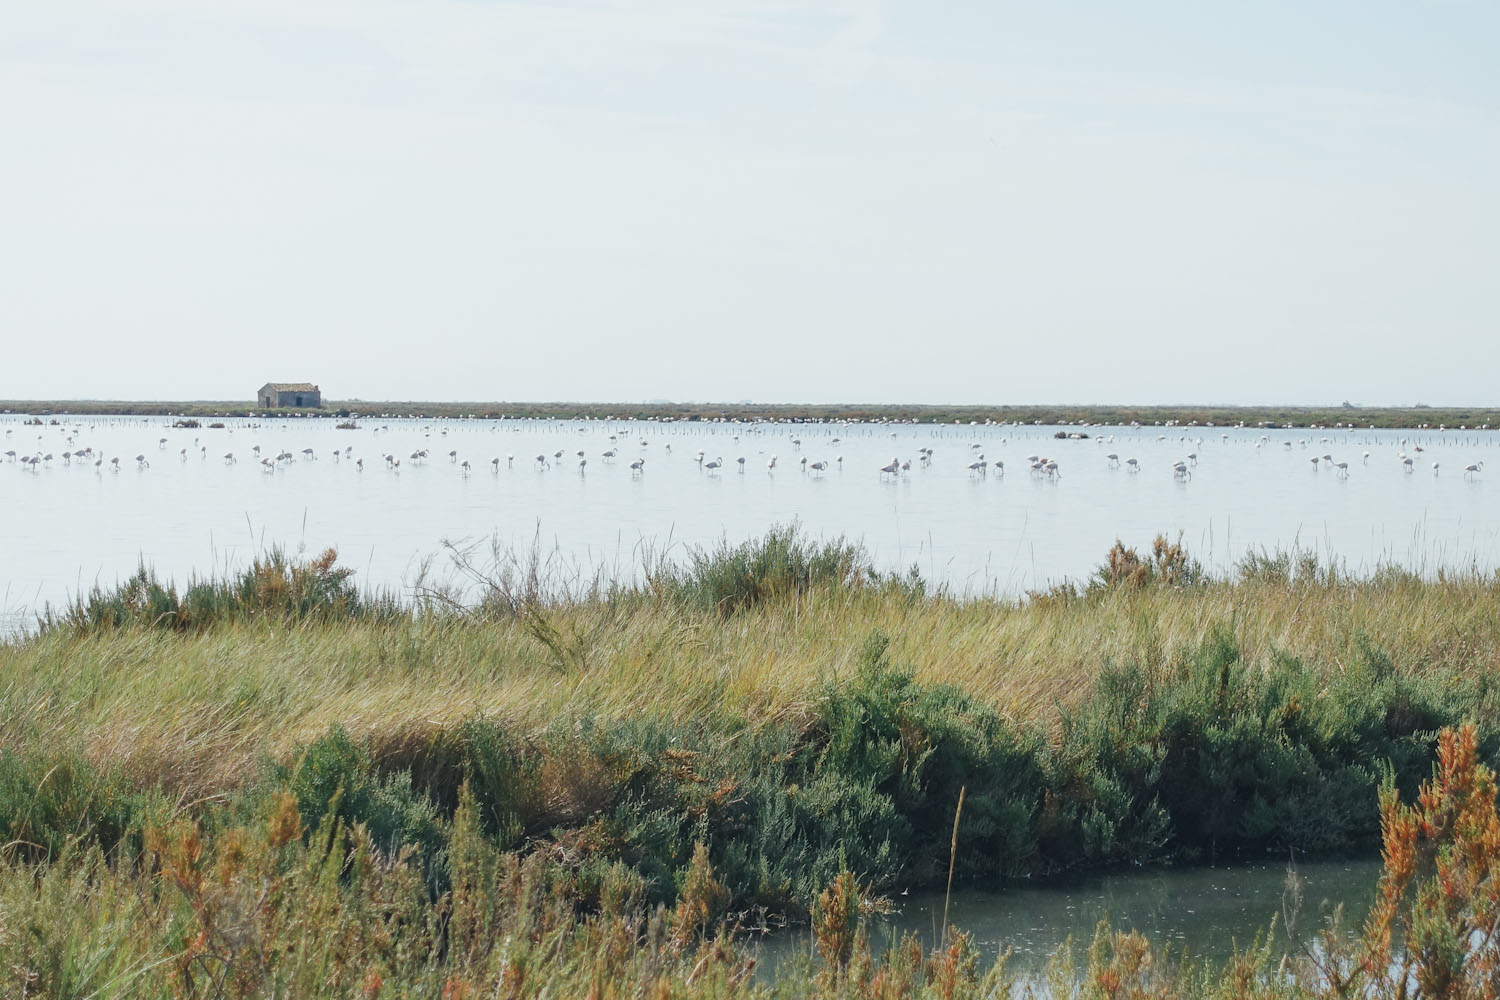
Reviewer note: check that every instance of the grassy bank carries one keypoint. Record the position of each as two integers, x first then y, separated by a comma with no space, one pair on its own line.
602,778
1185,414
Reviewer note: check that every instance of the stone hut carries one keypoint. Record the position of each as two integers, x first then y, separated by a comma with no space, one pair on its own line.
278,394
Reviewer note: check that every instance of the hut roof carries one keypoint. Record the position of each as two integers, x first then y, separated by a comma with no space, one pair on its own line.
290,387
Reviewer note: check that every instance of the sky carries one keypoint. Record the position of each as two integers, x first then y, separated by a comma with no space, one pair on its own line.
779,201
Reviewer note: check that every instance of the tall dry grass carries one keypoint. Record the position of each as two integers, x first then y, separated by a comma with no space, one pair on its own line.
204,706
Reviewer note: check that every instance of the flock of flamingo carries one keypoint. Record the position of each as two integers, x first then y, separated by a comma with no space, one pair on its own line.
973,459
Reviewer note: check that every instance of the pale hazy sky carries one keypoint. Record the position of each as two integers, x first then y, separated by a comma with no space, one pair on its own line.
833,200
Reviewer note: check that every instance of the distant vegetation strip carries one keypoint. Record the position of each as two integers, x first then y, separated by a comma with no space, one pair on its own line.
271,782
1185,414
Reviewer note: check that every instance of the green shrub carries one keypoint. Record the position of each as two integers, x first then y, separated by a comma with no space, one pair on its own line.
47,801
274,588
336,774
919,745
730,578
1207,755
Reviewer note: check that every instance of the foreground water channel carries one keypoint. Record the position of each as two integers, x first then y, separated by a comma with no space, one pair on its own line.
964,504
1203,914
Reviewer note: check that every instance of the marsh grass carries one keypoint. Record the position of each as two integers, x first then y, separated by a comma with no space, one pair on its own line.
634,763
782,566
275,589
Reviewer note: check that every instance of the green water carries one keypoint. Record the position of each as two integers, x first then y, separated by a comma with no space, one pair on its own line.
1203,912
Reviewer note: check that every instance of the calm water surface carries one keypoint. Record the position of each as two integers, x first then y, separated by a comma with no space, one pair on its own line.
68,525
1203,912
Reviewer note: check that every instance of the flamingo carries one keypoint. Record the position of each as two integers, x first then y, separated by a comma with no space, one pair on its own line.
771,464
978,466
818,467
1112,459
892,469
229,458
1471,470
715,465
638,466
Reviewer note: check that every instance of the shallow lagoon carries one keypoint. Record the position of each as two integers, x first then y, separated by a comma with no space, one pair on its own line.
185,509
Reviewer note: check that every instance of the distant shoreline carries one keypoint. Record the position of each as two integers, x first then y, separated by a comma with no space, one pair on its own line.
1414,417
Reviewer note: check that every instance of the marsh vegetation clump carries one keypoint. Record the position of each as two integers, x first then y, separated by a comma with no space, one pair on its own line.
275,588
1167,565
781,565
